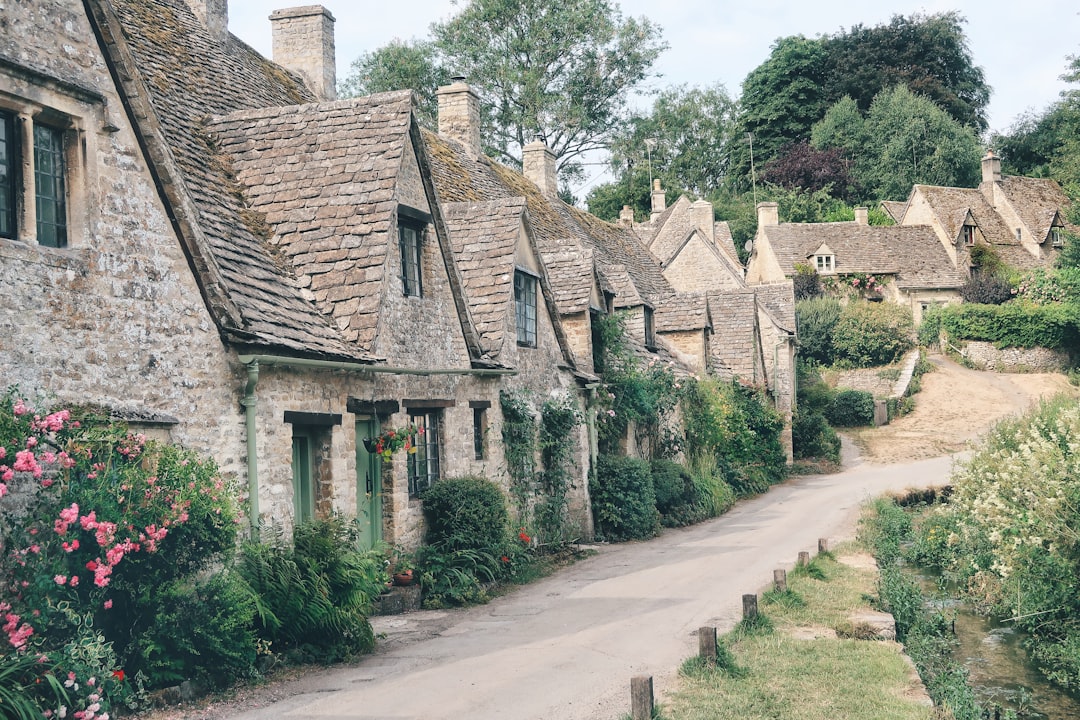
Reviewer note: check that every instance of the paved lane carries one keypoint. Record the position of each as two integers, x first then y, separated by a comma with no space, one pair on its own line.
565,648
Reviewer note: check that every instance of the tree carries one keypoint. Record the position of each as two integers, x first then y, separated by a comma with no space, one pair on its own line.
563,70
400,65
903,140
801,166
791,91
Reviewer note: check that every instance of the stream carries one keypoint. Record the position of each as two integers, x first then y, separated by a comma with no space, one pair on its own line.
999,670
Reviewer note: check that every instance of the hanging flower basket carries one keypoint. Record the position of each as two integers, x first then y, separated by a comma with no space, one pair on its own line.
393,440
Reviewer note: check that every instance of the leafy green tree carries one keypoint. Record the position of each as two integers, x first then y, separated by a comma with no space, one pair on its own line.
562,70
400,65
904,139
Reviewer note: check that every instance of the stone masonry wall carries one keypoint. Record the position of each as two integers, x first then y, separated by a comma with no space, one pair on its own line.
986,356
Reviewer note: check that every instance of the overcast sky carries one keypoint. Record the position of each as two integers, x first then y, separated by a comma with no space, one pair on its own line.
1022,46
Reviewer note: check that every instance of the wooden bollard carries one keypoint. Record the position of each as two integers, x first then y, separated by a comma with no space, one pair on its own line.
779,579
749,606
822,545
804,559
641,697
706,639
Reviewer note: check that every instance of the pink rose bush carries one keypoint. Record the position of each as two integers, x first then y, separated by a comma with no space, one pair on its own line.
93,521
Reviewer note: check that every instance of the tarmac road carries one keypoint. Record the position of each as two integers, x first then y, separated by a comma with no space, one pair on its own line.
565,648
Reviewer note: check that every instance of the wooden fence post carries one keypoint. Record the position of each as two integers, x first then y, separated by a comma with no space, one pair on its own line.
641,697
779,578
804,559
749,606
822,545
706,637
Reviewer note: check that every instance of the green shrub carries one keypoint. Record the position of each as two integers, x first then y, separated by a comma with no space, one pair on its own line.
816,319
814,394
313,595
677,497
623,500
870,334
851,408
466,513
1015,324
812,437
929,333
714,495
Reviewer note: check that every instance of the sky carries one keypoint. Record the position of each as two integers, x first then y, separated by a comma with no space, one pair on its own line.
1021,45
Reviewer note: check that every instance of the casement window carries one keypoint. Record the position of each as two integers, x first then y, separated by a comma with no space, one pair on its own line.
479,430
1057,237
525,307
824,263
650,329
967,235
34,208
410,240
424,464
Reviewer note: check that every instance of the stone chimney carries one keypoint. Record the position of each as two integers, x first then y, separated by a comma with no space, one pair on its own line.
702,213
991,168
214,14
304,43
538,165
862,215
659,202
626,216
459,114
768,213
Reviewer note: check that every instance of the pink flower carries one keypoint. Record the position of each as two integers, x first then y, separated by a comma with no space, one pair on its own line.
20,408
60,580
108,604
74,581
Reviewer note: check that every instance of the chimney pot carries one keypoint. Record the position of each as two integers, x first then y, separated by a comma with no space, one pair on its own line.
626,216
459,114
768,213
304,43
659,201
991,168
862,215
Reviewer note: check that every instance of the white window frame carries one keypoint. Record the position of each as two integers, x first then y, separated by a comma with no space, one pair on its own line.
825,263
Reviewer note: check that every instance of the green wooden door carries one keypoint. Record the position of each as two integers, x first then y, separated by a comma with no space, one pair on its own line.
368,485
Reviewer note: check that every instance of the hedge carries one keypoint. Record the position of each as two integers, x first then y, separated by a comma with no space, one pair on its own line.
1014,324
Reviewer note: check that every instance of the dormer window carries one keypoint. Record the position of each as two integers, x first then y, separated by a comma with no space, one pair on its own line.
824,263
1057,238
967,234
525,307
1019,235
411,226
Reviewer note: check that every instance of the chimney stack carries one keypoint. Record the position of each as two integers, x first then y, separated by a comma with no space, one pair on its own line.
304,43
991,168
862,215
704,219
538,165
626,216
459,114
659,201
214,14
768,213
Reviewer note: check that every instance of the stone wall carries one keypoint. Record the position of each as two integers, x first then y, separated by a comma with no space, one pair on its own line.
985,356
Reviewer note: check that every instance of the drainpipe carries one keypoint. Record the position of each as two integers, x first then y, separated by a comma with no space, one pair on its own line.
590,424
250,404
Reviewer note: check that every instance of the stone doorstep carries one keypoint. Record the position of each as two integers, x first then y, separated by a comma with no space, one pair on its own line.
397,600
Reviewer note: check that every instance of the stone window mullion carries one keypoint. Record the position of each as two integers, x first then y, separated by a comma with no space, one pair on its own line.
25,207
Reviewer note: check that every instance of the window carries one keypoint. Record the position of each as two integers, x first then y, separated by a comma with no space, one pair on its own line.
410,239
1019,235
525,307
303,485
650,329
479,428
967,234
823,263
424,463
9,163
1057,239
49,186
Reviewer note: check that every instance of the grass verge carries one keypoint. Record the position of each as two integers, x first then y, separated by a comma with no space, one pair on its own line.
801,669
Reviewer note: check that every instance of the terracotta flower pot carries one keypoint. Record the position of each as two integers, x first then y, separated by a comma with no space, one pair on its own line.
405,577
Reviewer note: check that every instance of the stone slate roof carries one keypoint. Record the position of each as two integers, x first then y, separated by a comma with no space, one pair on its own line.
174,75
733,351
323,176
1036,200
571,274
778,299
686,311
484,237
912,253
726,243
895,209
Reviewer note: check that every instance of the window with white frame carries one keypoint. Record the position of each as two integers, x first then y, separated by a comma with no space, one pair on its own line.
967,235
1057,237
824,263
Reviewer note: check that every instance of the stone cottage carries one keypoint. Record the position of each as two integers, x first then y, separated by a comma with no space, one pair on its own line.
905,265
222,253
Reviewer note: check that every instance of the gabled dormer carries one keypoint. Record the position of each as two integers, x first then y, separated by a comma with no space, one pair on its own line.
823,260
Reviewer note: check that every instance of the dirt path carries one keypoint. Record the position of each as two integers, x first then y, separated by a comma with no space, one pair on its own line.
955,406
